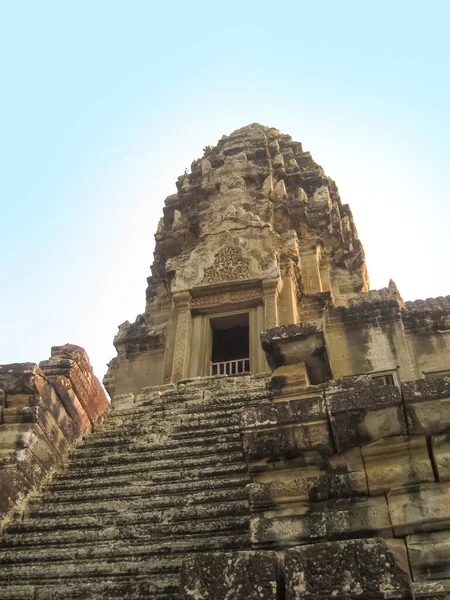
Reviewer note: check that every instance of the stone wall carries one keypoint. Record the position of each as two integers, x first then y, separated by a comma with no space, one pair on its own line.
367,569
367,333
328,478
44,411
427,331
354,458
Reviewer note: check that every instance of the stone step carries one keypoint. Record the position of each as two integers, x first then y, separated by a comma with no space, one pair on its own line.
17,592
78,564
122,437
182,432
122,587
103,557
213,418
101,540
127,472
155,483
194,405
156,451
128,487
201,512
148,458
159,410
38,508
208,388
140,490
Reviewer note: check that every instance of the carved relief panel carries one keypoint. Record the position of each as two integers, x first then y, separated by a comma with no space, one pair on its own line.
228,266
223,258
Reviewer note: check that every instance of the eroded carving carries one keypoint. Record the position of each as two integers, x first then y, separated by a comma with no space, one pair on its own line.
231,297
228,266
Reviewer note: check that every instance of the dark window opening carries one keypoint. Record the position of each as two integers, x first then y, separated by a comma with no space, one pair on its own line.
387,379
230,345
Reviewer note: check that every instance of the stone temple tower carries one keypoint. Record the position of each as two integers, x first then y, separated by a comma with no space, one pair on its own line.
255,237
276,430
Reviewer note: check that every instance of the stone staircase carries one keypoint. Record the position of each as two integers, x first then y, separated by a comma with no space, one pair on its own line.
162,479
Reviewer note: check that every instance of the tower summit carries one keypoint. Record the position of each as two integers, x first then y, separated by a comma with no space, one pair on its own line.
255,237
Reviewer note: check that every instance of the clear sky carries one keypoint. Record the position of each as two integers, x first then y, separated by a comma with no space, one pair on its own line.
103,105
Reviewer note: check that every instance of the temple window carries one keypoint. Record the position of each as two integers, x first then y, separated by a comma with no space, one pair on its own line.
384,379
230,345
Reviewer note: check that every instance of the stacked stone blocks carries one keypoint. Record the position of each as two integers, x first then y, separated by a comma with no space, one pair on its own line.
44,410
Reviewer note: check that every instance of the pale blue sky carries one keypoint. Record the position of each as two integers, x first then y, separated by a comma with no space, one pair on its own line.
104,104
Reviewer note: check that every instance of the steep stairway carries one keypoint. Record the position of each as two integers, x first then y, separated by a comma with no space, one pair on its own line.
162,478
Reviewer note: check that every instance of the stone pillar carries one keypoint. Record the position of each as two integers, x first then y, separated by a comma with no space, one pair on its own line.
271,288
181,352
309,260
288,312
258,362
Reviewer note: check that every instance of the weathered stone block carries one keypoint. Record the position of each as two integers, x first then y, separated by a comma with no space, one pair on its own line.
283,430
291,526
18,378
365,414
52,430
24,442
72,362
342,475
312,521
280,490
52,413
441,454
71,403
429,555
289,380
358,516
269,414
420,508
21,414
13,486
396,461
292,344
430,590
285,443
363,569
427,404
43,417
315,477
123,401
13,435
31,466
226,575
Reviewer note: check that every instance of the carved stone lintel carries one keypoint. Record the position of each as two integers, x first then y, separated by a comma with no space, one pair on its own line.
228,297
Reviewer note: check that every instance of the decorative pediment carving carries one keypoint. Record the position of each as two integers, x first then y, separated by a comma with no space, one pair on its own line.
228,266
225,257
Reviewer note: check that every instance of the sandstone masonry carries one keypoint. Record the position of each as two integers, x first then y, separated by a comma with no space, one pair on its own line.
278,430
